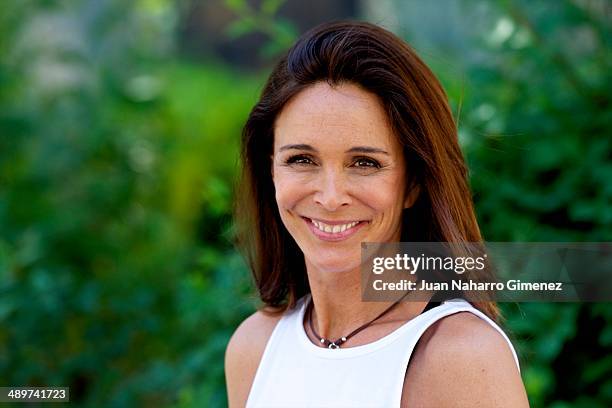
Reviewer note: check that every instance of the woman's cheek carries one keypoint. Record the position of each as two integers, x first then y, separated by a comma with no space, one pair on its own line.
290,189
374,192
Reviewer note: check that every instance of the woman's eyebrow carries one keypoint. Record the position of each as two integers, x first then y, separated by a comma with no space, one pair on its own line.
366,149
356,149
298,147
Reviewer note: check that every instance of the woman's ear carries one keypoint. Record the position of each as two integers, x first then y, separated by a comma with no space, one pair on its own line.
412,195
272,166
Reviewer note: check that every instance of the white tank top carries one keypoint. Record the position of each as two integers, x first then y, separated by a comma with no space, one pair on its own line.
294,372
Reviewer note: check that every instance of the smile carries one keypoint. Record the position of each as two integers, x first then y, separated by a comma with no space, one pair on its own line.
333,230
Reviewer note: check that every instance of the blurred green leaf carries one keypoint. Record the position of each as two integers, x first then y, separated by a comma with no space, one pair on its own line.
270,7
237,5
238,28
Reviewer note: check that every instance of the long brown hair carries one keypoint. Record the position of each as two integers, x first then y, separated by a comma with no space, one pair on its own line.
417,106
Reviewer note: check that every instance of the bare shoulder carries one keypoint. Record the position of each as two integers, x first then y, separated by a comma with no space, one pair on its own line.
243,354
467,362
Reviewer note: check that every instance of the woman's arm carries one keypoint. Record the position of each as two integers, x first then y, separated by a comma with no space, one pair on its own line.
462,361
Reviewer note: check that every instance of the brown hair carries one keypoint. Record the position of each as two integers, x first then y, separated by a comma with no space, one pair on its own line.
417,106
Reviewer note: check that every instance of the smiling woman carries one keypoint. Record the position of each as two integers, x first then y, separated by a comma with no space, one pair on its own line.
339,175
352,141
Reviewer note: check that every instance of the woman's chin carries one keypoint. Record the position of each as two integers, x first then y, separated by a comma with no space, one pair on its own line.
336,265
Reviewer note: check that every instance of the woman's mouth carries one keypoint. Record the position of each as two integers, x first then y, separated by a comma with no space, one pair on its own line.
333,230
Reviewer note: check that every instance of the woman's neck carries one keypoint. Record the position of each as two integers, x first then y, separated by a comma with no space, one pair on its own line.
338,306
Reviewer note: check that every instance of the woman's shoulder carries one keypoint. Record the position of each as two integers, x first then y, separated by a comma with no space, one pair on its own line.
244,352
254,330
468,361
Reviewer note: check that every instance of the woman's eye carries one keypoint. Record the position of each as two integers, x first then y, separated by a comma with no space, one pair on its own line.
300,159
365,162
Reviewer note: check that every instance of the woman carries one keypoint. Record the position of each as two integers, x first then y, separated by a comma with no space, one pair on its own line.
353,141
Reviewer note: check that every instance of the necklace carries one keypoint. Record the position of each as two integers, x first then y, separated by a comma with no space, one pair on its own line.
337,343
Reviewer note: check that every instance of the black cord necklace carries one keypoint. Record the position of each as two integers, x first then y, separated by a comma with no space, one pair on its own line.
337,343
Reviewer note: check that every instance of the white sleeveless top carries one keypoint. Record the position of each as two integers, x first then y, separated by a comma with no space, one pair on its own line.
294,372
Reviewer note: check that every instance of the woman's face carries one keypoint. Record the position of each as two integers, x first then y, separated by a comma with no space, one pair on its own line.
339,174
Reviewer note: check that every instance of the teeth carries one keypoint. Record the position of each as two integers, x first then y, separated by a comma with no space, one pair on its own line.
333,229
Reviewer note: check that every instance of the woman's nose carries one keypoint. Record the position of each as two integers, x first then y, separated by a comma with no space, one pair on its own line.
332,191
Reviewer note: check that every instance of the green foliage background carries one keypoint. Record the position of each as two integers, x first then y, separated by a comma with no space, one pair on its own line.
118,277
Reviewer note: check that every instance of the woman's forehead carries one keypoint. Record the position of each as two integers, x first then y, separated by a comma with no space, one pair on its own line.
344,114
